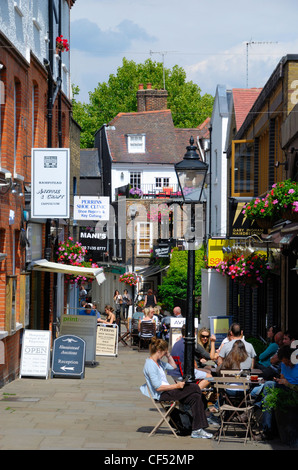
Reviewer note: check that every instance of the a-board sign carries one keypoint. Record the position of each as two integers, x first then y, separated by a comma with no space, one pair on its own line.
35,356
83,326
219,326
69,357
107,340
176,327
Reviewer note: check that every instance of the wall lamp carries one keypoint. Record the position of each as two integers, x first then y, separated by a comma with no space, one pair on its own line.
285,164
17,189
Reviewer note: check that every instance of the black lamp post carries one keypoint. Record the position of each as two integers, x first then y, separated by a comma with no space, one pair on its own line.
191,173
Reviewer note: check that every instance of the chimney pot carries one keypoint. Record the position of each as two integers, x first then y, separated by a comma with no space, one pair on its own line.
149,86
141,86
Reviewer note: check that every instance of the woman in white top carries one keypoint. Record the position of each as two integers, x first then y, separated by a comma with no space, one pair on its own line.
160,389
147,318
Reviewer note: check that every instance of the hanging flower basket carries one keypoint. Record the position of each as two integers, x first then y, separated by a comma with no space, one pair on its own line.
73,253
129,278
265,222
249,270
291,215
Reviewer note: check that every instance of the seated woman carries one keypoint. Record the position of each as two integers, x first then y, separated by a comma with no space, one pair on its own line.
205,349
111,318
147,318
160,389
237,359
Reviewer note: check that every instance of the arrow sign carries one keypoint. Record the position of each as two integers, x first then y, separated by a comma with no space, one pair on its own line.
69,354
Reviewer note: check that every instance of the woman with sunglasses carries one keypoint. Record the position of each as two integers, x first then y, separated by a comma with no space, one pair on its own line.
205,349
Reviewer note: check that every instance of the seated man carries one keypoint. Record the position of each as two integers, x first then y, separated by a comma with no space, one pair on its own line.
88,310
178,350
236,334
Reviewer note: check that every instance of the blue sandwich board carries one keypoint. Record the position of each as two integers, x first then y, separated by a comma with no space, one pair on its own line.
68,359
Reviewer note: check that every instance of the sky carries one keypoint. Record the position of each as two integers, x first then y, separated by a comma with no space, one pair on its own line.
233,43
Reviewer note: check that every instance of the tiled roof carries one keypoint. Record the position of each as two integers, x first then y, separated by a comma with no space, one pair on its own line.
244,99
164,142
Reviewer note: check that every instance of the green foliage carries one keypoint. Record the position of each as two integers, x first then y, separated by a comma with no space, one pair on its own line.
281,399
259,345
175,282
119,94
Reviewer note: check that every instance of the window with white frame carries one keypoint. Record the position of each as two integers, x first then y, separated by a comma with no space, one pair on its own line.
144,238
162,182
135,179
136,143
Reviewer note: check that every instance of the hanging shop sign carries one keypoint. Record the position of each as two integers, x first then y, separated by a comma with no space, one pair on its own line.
96,243
239,225
91,208
163,250
35,357
50,183
69,357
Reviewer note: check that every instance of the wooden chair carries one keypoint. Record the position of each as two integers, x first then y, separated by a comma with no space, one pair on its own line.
134,332
147,331
164,409
230,408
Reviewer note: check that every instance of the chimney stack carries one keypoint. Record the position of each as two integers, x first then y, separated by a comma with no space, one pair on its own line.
151,100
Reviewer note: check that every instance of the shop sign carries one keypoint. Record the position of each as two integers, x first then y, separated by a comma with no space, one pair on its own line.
69,357
91,208
35,357
50,183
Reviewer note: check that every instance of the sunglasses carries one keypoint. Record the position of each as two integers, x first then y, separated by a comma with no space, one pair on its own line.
205,336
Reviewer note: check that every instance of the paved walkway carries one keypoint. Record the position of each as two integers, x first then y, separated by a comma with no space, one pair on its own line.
103,411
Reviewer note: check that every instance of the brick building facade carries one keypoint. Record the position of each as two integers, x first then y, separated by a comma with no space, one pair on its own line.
24,124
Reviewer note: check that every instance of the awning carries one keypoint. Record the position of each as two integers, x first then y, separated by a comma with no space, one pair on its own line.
50,267
150,271
284,235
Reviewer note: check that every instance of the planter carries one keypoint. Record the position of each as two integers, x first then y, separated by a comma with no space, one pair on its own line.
265,222
287,425
290,215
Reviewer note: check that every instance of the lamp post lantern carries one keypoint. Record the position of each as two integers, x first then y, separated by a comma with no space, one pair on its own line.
191,174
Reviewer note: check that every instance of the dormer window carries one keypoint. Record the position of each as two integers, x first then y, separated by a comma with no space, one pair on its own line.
136,143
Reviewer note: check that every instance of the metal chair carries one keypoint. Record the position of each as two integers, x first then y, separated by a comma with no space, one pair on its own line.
165,409
231,408
147,331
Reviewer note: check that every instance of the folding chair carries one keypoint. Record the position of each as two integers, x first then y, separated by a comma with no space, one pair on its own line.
178,364
125,336
165,409
147,331
231,408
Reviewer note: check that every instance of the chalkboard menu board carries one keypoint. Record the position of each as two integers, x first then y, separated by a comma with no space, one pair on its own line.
35,357
69,357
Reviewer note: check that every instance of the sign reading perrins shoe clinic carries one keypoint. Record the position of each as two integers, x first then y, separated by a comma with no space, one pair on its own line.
50,183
